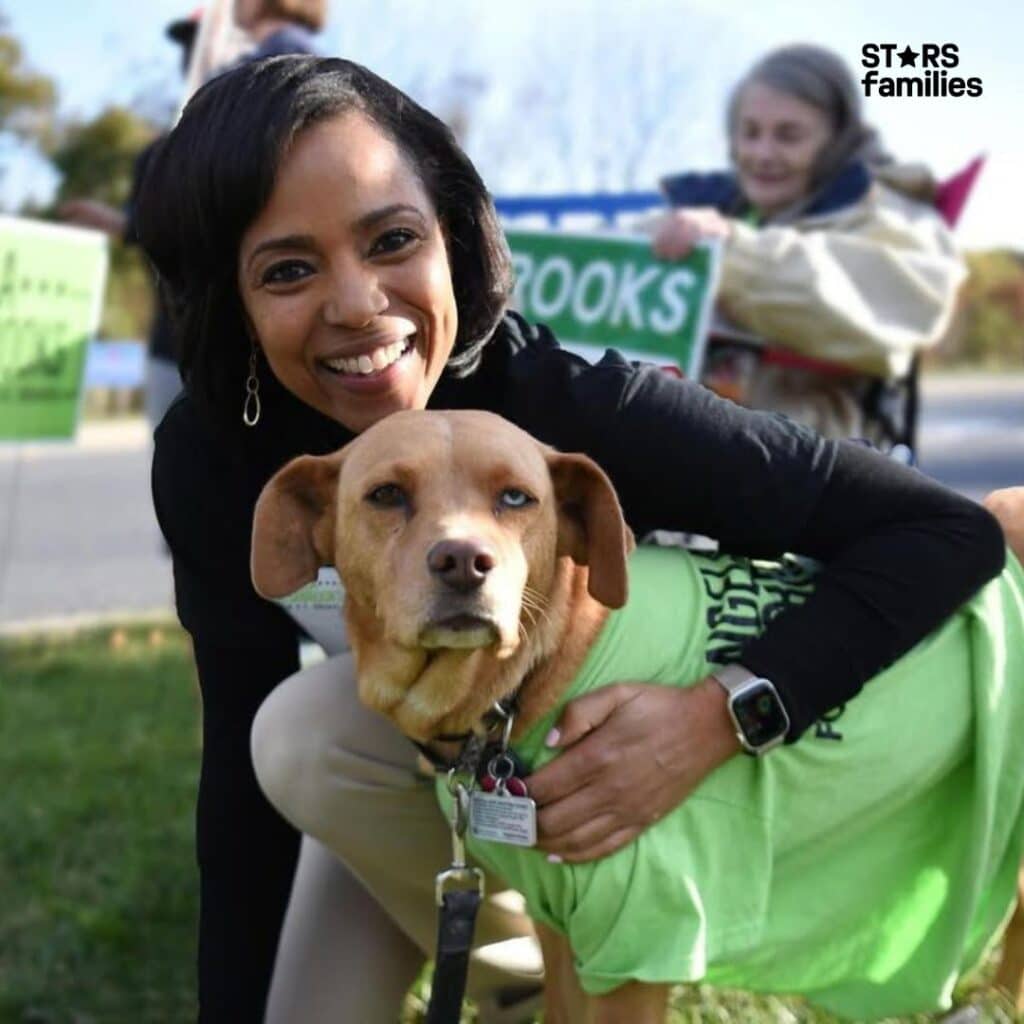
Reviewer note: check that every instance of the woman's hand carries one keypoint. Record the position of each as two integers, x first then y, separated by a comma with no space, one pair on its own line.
1007,505
634,752
680,230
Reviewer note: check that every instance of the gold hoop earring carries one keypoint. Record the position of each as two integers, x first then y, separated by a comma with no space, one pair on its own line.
252,408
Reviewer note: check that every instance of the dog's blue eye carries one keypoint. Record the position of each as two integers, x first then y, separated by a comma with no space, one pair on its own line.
388,496
512,497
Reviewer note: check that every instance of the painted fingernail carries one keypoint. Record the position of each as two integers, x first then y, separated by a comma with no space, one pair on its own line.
552,738
553,858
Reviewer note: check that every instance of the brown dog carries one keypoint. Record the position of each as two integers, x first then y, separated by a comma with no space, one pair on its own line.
473,559
444,605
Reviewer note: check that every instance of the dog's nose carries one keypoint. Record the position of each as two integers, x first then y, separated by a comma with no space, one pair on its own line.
461,564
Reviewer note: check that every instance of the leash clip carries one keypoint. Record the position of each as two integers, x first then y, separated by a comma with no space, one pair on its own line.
458,879
458,876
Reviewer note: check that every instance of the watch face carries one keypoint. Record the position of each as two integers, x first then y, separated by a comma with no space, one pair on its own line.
759,713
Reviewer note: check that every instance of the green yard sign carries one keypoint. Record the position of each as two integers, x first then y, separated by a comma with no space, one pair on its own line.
51,294
598,291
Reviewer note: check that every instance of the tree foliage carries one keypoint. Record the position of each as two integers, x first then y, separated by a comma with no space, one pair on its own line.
27,98
991,322
95,158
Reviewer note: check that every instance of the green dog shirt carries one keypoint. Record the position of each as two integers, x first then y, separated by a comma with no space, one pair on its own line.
866,866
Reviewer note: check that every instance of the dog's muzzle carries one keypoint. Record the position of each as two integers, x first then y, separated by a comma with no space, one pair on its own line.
461,630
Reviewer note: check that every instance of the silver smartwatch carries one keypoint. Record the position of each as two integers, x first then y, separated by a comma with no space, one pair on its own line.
755,708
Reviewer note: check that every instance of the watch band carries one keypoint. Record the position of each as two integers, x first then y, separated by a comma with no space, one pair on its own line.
732,677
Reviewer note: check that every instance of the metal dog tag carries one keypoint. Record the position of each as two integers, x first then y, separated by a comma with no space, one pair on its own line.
501,818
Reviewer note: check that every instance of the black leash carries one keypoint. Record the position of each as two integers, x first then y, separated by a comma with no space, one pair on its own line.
459,890
456,920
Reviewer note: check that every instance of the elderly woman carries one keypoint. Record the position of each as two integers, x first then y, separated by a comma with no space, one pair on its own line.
832,253
332,256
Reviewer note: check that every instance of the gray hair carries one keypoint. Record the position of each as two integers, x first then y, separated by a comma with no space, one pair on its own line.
820,78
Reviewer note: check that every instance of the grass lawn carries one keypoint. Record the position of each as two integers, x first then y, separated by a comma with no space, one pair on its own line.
99,755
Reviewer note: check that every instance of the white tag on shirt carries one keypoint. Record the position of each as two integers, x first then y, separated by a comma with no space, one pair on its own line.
503,819
317,608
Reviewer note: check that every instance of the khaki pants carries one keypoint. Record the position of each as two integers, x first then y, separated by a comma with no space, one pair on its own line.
362,915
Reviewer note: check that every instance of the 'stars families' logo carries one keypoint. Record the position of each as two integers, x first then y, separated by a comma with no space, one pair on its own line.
930,66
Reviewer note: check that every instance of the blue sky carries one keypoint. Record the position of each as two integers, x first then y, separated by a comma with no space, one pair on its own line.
585,94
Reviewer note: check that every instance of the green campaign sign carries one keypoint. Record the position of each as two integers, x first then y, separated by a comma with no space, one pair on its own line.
598,291
51,294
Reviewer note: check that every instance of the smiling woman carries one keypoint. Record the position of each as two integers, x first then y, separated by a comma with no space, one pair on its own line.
352,302
777,143
327,247
409,229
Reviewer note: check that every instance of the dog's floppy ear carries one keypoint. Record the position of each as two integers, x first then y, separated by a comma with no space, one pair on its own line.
591,528
293,526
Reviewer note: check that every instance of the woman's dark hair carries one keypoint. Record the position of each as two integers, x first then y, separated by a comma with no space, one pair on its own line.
213,174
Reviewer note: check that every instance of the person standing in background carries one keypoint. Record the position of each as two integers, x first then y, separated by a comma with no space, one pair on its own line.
831,251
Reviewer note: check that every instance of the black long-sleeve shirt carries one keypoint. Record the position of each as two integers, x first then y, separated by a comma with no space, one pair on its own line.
899,554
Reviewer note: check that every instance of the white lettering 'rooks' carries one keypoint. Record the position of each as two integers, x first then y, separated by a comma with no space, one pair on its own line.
652,298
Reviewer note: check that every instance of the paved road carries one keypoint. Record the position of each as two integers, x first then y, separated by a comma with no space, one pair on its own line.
77,535
972,431
77,532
